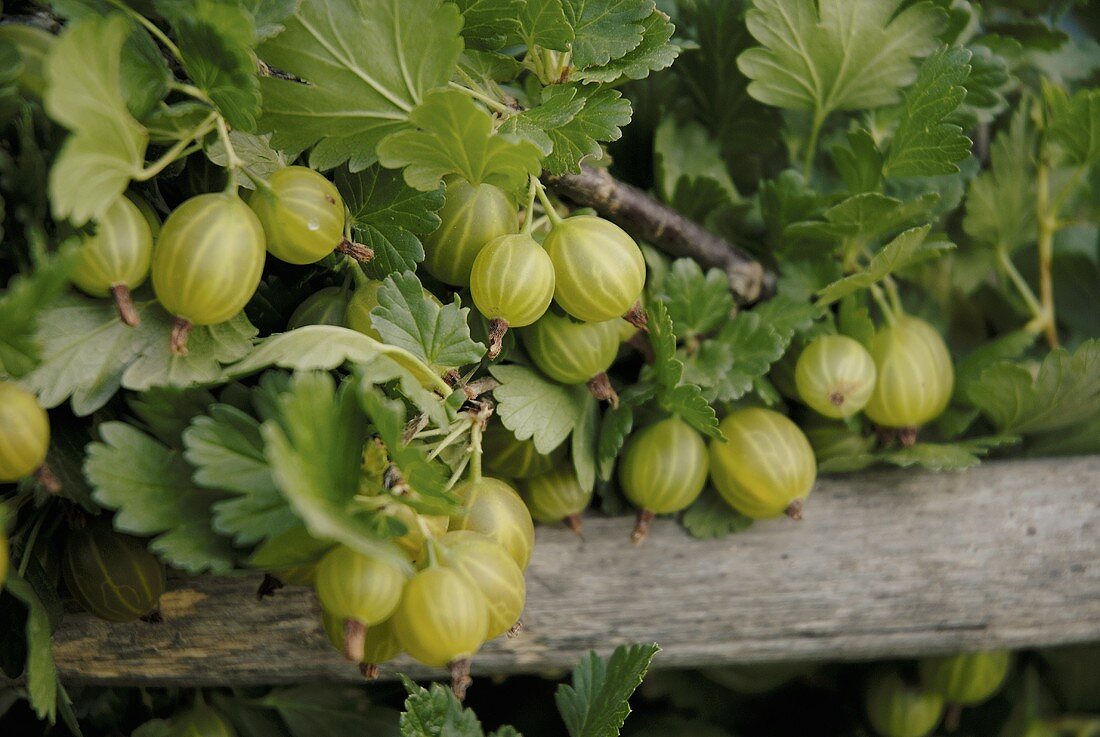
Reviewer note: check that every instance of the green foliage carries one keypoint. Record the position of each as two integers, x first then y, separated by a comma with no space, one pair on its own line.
598,702
532,406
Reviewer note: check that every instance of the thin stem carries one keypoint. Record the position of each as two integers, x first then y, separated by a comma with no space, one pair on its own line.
458,472
151,27
233,162
551,213
887,310
892,291
475,450
1018,281
452,436
1048,225
258,180
1067,190
191,91
177,150
496,105
28,548
811,144
529,218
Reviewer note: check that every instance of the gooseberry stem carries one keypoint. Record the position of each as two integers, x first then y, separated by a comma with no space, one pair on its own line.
529,218
28,546
475,450
892,292
178,149
1021,285
887,310
1047,218
811,144
551,213
150,27
496,105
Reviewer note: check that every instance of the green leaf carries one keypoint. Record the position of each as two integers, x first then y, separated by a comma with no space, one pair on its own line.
106,148
697,303
315,448
20,308
253,151
945,457
836,54
438,335
860,221
150,486
570,122
1000,206
691,174
226,449
436,712
365,65
543,23
455,136
709,517
88,353
673,394
41,673
654,53
216,40
487,24
617,424
167,411
924,144
1065,391
325,710
268,15
598,702
605,29
984,88
1074,125
532,406
145,74
583,449
859,163
907,249
743,350
387,215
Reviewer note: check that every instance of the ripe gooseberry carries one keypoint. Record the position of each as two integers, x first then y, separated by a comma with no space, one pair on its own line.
327,306
835,376
512,281
507,456
967,678
896,709
361,590
663,470
471,216
573,352
381,643
442,620
600,269
112,575
207,262
302,214
556,496
766,467
915,376
116,259
488,566
493,508
24,432
200,721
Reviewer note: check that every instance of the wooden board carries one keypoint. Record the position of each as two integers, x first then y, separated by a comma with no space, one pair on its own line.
884,564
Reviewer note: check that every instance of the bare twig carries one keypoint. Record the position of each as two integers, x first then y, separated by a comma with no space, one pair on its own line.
655,222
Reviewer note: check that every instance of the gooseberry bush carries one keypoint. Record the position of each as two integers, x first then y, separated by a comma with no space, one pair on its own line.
348,291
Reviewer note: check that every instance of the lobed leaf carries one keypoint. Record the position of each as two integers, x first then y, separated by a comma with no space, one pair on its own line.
598,701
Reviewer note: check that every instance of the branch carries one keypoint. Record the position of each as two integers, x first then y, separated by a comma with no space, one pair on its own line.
657,223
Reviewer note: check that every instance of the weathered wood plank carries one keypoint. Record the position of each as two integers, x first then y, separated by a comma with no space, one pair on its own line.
885,564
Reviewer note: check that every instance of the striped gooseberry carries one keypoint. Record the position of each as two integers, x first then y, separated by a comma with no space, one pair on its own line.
379,646
574,352
915,376
765,467
493,508
418,528
207,262
362,590
327,306
302,214
488,566
966,678
663,470
442,620
116,259
511,458
512,282
898,709
24,432
471,216
600,269
112,575
835,376
200,721
556,496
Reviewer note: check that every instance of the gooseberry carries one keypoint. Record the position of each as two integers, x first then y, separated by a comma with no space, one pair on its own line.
116,259
379,646
302,214
915,375
556,496
896,709
492,570
362,590
663,470
765,467
493,508
512,281
327,306
201,721
207,262
24,432
600,269
471,216
967,678
112,575
835,376
442,618
512,458
573,352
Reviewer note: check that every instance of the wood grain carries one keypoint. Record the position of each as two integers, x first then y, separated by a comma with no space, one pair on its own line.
887,564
